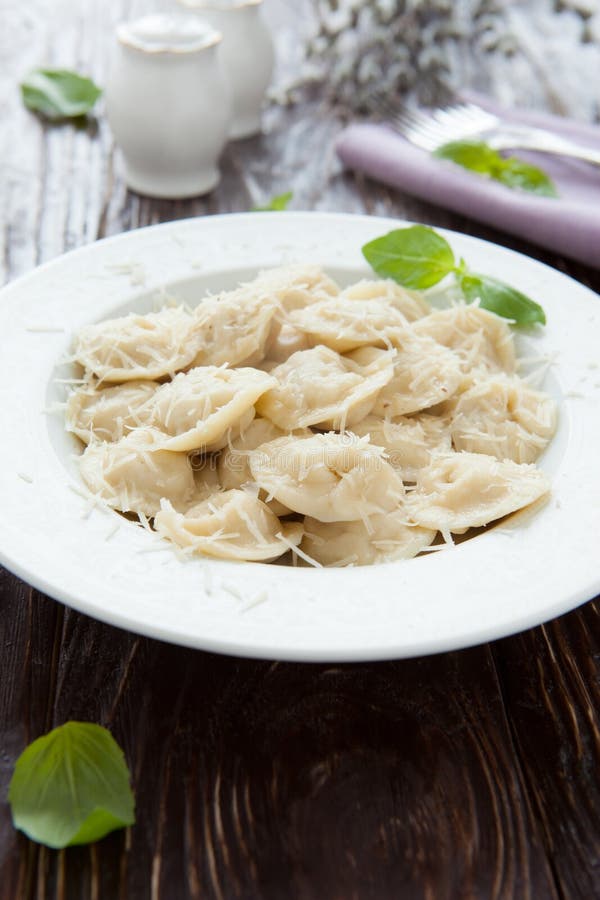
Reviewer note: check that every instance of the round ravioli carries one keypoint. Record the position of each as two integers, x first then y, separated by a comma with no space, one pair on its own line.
425,373
107,414
344,324
410,304
231,525
380,538
284,340
481,339
135,473
458,491
233,328
233,468
295,286
409,442
203,408
503,417
320,387
292,287
330,477
137,347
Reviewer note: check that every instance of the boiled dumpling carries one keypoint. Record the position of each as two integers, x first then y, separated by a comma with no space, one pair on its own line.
135,473
505,418
295,286
320,387
233,328
202,408
425,373
458,491
233,468
231,525
236,327
409,442
330,477
481,339
107,414
283,341
410,304
343,324
137,347
381,538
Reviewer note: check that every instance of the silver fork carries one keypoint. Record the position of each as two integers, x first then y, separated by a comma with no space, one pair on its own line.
434,127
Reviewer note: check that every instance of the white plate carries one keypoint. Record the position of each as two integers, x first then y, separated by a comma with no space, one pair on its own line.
507,579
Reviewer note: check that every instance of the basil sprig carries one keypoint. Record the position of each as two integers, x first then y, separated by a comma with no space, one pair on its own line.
71,786
477,156
418,257
59,93
415,257
275,204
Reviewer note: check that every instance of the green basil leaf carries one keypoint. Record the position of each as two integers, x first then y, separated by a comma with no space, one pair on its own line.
275,204
416,257
516,173
71,786
477,156
500,298
58,93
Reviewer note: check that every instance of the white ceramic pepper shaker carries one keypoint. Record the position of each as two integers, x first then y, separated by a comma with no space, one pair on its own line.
169,105
246,53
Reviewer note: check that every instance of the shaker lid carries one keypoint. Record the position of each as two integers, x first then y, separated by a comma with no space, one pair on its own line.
221,5
162,33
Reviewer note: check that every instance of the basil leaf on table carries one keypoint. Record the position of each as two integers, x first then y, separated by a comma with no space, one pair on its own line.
477,156
416,257
275,204
71,786
500,298
59,93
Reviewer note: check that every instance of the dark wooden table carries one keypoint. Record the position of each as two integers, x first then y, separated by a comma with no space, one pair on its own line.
466,775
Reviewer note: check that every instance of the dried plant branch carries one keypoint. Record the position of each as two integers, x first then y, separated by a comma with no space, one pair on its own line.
391,46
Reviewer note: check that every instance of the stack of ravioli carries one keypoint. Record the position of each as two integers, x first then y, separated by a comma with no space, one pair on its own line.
293,419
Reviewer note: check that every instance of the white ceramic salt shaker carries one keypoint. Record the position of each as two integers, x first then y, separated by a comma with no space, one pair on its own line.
246,53
169,104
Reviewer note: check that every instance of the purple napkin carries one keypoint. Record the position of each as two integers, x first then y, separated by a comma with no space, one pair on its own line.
569,224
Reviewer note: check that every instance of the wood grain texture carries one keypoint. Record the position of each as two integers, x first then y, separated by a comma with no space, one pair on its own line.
466,775
271,780
551,685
